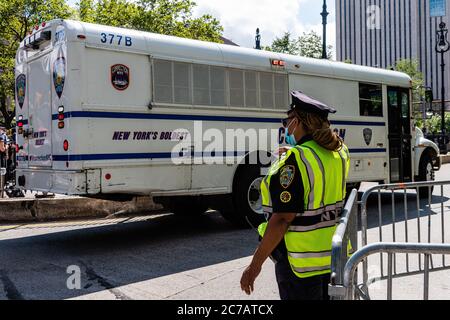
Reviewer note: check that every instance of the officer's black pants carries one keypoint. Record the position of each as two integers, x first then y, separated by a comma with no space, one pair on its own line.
292,287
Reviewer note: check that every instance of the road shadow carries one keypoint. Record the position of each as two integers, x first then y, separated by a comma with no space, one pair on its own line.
35,267
389,214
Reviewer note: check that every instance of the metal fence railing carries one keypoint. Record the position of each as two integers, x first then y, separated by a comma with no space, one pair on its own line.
350,270
345,242
396,216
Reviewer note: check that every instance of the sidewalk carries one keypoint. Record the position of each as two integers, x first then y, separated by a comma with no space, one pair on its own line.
61,207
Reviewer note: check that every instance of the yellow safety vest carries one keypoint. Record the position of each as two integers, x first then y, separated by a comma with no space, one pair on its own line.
309,237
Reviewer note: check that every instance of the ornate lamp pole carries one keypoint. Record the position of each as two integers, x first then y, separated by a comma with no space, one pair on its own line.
324,15
442,46
258,40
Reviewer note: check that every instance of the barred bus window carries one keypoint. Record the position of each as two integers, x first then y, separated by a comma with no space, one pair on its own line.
281,91
202,92
267,90
251,90
218,86
370,100
163,81
236,84
182,83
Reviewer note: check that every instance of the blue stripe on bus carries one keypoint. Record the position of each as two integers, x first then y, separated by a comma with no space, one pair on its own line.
122,115
167,155
124,156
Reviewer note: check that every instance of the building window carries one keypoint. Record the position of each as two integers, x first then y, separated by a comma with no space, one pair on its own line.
370,100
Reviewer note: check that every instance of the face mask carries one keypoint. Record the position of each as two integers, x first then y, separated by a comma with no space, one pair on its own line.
290,138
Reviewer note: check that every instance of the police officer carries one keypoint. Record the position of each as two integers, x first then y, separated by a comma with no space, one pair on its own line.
303,194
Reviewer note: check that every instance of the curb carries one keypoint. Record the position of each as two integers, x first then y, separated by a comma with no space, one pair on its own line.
445,159
38,210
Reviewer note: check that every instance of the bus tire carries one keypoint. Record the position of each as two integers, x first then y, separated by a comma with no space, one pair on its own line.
185,206
426,173
243,207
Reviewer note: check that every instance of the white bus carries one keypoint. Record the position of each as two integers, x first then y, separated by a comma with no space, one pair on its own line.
110,112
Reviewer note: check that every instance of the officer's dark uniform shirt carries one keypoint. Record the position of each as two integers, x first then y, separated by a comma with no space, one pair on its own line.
294,187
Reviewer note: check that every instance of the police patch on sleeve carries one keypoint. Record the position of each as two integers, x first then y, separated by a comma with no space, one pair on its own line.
285,197
287,175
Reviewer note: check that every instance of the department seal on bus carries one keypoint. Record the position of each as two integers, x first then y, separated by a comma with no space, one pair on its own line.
120,77
21,87
59,75
368,135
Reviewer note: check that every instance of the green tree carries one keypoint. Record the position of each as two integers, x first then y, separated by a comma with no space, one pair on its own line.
307,45
17,17
311,45
433,124
285,44
170,17
411,68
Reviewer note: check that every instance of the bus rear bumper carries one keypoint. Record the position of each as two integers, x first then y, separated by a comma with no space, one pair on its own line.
61,182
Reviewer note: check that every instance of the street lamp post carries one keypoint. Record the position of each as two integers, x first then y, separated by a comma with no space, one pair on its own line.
257,40
442,46
324,15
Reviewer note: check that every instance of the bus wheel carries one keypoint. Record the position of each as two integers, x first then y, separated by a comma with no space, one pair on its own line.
184,206
244,207
426,173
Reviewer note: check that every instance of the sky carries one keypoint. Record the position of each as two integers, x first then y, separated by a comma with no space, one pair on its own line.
240,18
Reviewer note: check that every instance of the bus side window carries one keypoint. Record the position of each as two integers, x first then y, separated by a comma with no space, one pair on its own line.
370,100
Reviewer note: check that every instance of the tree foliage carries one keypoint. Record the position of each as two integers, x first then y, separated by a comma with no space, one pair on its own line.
411,68
433,125
307,45
17,17
170,17
285,44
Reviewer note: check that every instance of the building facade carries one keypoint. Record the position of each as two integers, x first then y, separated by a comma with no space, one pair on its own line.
378,33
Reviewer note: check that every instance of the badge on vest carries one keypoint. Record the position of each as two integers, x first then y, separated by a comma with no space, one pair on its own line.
287,176
285,197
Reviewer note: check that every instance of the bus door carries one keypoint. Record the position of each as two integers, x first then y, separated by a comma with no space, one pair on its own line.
399,135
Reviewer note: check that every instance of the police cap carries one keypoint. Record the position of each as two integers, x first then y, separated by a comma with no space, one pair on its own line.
302,102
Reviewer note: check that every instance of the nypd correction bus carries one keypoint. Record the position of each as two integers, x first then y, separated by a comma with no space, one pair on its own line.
110,112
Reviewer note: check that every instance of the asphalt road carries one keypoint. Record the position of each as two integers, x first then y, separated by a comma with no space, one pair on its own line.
156,257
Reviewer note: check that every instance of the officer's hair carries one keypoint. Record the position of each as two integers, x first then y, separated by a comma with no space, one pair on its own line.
320,130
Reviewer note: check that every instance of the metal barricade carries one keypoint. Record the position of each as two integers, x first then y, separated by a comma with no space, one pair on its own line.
344,243
350,270
422,221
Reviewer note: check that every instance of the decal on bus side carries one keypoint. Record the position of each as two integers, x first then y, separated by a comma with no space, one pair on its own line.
116,38
21,86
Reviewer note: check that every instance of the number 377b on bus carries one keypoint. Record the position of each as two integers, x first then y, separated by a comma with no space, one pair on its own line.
114,39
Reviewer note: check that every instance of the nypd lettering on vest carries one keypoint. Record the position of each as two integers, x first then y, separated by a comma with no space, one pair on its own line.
120,77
